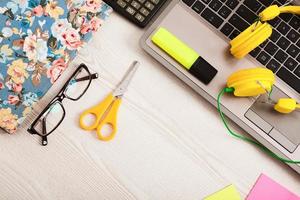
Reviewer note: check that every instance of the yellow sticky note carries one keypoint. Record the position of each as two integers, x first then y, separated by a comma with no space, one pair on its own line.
228,193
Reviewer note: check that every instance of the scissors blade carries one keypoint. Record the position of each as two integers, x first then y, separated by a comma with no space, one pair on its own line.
122,87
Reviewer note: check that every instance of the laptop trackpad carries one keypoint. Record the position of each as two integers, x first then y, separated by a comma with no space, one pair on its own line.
283,128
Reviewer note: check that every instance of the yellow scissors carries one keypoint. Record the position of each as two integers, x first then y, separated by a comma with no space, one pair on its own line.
105,112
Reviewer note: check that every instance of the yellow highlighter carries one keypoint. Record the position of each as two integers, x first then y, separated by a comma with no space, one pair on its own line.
184,55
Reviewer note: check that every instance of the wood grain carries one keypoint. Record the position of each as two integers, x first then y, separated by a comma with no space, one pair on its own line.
170,144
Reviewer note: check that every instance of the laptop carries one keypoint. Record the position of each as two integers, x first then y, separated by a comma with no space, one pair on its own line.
207,26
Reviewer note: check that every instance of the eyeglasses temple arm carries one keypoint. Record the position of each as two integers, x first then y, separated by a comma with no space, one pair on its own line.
86,78
44,138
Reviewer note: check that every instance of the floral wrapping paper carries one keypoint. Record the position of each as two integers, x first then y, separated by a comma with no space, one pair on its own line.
38,38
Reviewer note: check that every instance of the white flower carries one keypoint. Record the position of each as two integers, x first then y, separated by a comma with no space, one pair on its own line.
7,32
36,49
60,26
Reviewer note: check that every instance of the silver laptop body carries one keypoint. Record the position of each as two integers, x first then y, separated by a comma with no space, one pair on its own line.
280,133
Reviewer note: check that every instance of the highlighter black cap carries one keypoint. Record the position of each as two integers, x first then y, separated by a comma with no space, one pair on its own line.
203,71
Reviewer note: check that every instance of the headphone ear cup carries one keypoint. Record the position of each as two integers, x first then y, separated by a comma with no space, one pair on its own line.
251,82
249,39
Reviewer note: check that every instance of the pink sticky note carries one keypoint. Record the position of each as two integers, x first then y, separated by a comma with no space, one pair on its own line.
267,189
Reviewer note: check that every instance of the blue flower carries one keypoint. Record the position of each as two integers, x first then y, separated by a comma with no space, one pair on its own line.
13,7
25,23
23,4
29,99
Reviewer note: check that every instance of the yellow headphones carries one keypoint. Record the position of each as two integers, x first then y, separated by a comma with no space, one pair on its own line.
253,82
259,31
256,81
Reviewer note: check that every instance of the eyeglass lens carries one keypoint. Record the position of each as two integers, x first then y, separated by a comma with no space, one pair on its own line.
78,84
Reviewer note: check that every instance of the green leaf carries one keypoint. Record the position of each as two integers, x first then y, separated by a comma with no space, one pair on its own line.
43,3
90,15
52,42
9,14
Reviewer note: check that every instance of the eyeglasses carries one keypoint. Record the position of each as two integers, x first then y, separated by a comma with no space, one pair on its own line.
54,113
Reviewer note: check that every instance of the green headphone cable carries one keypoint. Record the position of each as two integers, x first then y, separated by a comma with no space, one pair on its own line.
236,135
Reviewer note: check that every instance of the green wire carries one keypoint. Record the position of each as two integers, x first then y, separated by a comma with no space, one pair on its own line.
232,133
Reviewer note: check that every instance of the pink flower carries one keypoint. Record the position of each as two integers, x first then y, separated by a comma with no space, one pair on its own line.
8,23
17,87
95,23
92,5
38,11
13,99
85,29
1,85
71,39
58,66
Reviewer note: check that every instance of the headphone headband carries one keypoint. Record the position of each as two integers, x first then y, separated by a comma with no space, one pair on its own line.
259,31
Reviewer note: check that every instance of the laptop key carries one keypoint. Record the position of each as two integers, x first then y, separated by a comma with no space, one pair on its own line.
206,1
277,3
283,28
293,50
293,35
234,34
283,43
232,3
282,1
266,2
227,29
188,2
255,52
252,4
263,57
289,78
238,22
273,65
281,56
198,7
246,14
275,35
212,18
215,5
297,71
224,12
262,45
286,16
295,22
271,48
275,22
290,63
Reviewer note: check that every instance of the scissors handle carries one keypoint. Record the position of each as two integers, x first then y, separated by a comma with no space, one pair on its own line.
111,120
105,113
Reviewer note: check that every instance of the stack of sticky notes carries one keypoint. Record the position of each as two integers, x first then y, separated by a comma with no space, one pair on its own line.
264,189
228,193
267,189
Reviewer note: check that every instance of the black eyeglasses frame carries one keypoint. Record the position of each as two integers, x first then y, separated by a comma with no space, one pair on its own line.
59,99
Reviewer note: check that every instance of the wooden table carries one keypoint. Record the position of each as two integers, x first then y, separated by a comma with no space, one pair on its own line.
171,143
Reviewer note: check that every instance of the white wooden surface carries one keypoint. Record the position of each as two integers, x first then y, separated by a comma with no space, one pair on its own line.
171,143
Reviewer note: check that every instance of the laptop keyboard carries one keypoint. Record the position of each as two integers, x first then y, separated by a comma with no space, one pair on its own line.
280,53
